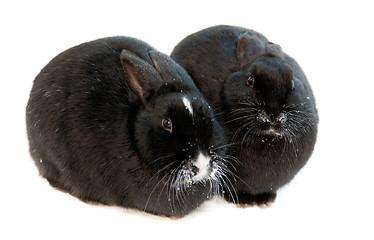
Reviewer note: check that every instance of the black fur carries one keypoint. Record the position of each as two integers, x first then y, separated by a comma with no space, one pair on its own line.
271,123
94,123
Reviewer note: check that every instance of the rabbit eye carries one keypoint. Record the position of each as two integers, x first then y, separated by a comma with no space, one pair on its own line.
250,80
293,84
167,124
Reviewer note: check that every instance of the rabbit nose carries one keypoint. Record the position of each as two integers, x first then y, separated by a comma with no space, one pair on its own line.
201,167
280,118
194,169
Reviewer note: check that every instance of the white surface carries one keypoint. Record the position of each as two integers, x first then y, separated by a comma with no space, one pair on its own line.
331,198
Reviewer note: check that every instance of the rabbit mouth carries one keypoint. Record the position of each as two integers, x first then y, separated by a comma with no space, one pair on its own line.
194,171
201,168
272,131
271,125
207,171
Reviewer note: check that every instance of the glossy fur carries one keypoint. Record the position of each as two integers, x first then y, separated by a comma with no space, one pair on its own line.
94,123
272,123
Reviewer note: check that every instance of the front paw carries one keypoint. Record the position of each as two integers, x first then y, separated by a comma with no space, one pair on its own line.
244,199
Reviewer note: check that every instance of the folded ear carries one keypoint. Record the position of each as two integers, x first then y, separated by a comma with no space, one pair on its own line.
274,50
142,76
249,46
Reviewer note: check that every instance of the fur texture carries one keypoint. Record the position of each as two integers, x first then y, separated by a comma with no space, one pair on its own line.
264,102
106,122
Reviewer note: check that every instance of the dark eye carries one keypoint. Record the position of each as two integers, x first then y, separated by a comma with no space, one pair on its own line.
250,80
167,124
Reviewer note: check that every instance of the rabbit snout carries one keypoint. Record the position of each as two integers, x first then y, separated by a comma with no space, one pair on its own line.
272,119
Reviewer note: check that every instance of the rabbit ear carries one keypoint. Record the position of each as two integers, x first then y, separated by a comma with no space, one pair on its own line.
163,64
142,75
168,69
274,50
249,46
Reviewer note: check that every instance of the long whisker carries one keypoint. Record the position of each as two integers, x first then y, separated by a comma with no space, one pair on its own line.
172,188
237,132
162,169
223,146
154,188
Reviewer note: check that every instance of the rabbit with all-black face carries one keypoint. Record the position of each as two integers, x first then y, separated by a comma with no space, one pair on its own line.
116,122
264,101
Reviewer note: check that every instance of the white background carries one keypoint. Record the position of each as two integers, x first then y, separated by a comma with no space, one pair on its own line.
331,198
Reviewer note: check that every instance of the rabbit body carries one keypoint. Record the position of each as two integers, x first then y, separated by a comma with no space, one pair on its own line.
116,122
263,101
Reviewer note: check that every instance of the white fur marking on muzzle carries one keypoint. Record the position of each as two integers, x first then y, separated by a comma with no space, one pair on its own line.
202,162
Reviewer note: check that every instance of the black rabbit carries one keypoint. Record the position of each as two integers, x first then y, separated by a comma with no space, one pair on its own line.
116,122
264,102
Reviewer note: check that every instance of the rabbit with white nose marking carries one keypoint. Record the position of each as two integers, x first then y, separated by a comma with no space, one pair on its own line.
116,122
